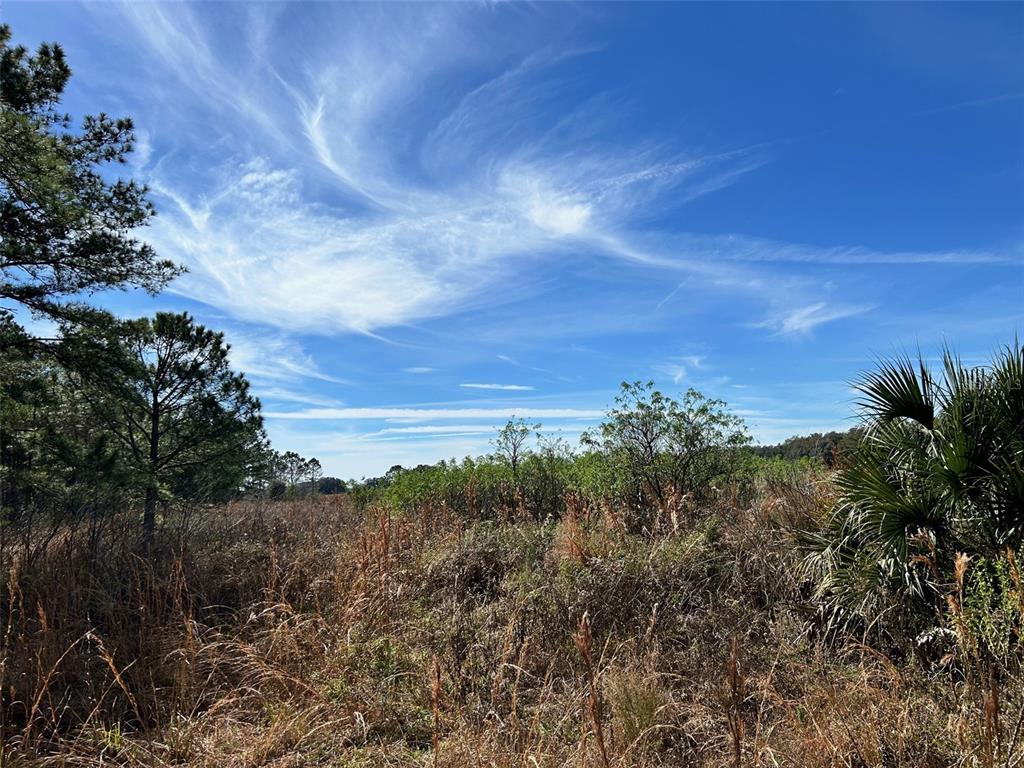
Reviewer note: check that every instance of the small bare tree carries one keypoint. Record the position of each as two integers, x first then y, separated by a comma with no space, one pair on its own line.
510,444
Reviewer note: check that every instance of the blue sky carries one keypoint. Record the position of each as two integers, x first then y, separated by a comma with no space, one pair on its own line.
414,221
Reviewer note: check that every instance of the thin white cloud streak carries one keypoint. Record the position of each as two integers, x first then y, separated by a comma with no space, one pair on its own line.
284,394
517,364
422,414
508,387
757,249
355,454
678,368
437,429
803,320
484,429
346,455
419,370
274,357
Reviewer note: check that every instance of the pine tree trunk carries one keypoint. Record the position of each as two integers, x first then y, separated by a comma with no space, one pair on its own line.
149,512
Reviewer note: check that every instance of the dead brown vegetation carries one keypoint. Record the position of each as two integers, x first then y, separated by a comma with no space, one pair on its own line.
311,633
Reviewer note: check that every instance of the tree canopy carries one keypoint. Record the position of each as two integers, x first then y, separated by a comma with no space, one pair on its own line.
669,447
66,227
164,389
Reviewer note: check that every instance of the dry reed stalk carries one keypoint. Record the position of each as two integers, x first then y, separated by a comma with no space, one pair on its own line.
612,522
846,717
981,674
766,685
534,734
435,707
108,659
506,649
669,518
734,701
652,623
514,704
43,690
991,732
520,507
574,540
15,606
584,641
380,548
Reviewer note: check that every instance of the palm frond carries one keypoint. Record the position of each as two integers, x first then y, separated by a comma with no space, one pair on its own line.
940,470
898,390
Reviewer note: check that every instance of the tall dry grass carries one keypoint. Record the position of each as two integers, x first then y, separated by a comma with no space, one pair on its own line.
311,633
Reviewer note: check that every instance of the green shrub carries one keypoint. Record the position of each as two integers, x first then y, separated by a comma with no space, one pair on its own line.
991,615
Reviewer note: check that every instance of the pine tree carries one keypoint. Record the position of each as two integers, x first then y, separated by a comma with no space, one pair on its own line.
164,388
65,229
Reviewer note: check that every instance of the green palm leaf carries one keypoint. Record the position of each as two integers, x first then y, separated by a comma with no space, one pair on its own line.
939,471
899,389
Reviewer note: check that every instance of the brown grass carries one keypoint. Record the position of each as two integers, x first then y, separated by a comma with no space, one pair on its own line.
307,633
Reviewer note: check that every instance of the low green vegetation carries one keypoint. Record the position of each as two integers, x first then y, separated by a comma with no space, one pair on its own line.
652,453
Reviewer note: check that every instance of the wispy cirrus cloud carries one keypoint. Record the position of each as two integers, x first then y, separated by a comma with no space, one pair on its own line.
758,249
340,217
428,216
257,249
422,414
678,368
274,358
506,387
803,320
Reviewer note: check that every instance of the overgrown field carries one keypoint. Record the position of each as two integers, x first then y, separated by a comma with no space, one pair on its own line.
336,631
176,592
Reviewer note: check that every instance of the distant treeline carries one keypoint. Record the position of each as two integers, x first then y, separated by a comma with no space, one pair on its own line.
828,447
